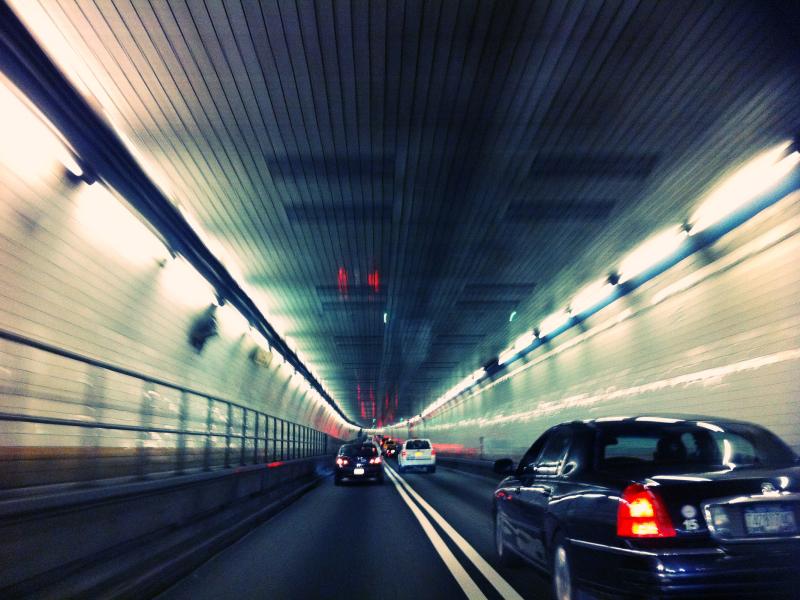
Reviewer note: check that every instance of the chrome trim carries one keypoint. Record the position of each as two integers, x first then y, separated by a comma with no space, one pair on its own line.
607,548
619,550
750,499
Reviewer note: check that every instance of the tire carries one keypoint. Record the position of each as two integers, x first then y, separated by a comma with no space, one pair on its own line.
380,480
563,582
337,480
401,469
506,556
432,469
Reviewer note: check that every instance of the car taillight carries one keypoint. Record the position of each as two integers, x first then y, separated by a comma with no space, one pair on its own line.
341,461
642,514
433,452
403,453
375,461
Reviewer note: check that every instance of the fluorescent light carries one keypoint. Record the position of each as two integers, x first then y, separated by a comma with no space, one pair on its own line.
109,223
651,252
553,322
590,296
185,285
525,340
506,355
231,321
520,344
478,374
30,147
746,183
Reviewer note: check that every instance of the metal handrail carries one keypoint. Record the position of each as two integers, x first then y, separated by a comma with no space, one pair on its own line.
254,437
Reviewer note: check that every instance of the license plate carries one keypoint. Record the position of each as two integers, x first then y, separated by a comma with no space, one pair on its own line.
358,471
418,454
769,520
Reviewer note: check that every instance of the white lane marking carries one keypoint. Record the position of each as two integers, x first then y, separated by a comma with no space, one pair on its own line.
471,589
497,581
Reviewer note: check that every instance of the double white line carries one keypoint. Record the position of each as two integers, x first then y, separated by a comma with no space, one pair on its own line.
466,582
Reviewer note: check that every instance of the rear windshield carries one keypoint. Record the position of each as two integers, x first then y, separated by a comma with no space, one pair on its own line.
418,445
674,447
354,450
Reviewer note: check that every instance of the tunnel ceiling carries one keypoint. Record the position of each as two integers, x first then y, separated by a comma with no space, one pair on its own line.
437,166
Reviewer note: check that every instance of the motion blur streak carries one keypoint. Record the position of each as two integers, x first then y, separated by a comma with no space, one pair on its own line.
705,378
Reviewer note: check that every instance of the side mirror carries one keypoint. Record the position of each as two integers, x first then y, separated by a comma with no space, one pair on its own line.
504,466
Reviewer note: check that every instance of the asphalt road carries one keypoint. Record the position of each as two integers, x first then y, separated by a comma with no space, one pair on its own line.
364,541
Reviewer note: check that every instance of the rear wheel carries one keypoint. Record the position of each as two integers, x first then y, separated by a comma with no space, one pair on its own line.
563,586
380,480
432,469
506,556
337,480
401,469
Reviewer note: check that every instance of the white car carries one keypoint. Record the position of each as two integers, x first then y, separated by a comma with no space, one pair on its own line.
417,453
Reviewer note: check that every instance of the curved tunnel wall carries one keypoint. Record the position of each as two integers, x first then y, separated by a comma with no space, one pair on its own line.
65,288
718,334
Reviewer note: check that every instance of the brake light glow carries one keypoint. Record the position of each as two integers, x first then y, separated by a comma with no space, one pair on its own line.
642,514
375,461
433,452
404,453
341,461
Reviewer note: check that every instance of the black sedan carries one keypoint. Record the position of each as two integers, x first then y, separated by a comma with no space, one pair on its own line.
654,507
358,462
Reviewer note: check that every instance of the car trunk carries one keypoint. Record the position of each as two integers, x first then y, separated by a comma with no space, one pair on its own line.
741,503
422,454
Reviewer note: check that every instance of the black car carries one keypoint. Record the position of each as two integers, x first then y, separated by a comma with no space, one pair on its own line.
357,462
655,507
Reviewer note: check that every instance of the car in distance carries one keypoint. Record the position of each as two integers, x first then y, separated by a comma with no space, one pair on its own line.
358,462
417,454
654,506
390,448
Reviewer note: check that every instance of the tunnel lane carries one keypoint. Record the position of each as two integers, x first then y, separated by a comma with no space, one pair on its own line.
365,541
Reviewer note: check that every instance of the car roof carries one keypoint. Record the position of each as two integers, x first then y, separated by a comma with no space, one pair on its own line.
665,418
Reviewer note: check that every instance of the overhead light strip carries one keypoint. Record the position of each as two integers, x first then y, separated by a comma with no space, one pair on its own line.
756,185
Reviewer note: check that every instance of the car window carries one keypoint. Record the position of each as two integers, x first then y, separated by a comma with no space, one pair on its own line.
689,447
358,450
418,445
554,452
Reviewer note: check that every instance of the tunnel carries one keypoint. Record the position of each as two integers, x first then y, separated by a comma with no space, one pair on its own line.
243,242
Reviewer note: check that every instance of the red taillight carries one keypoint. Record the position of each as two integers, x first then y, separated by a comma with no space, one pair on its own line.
375,461
403,453
341,461
642,514
433,452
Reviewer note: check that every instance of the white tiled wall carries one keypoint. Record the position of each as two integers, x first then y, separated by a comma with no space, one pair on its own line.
725,342
61,288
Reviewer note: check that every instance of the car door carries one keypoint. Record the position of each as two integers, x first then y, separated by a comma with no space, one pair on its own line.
511,516
538,485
